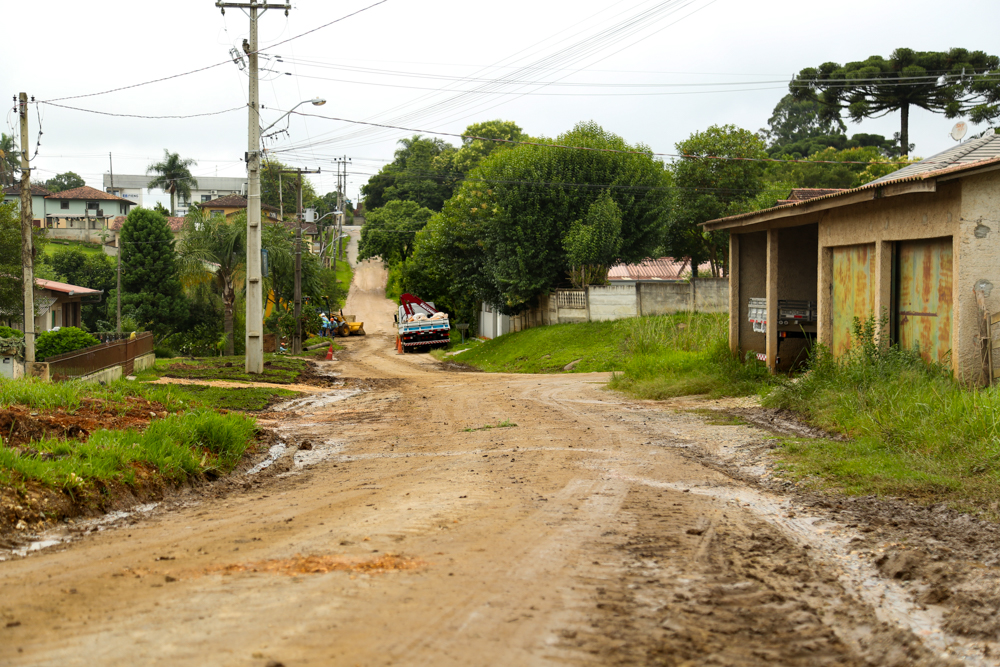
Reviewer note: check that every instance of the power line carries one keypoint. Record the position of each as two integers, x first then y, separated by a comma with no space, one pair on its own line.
583,148
130,115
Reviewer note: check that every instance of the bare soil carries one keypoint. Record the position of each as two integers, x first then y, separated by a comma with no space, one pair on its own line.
599,530
19,425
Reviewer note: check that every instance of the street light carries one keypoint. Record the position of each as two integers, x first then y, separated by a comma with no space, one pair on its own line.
316,102
255,295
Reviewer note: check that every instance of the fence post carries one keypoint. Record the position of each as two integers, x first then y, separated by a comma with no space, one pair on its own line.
586,299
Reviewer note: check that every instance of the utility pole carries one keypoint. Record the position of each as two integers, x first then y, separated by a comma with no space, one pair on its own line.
338,228
255,288
27,260
118,245
297,335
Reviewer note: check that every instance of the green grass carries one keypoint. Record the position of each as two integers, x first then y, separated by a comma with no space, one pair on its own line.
52,246
283,369
504,424
912,429
176,448
344,275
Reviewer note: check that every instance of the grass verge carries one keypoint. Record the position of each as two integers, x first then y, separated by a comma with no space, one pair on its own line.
278,369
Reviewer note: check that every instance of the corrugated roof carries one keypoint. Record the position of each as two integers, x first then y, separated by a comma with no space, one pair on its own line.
984,148
64,287
233,201
919,176
659,268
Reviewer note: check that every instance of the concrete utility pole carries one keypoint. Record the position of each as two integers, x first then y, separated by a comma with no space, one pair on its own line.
118,245
255,287
27,260
338,228
297,335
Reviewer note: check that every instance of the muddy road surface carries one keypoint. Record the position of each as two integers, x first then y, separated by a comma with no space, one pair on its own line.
426,515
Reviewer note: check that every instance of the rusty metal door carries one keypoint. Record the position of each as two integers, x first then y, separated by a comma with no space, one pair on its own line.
924,297
853,291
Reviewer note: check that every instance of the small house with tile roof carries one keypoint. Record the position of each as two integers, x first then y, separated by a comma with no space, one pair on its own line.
57,305
83,214
918,245
233,204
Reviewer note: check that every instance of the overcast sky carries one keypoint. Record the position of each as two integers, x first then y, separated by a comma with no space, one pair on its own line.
405,63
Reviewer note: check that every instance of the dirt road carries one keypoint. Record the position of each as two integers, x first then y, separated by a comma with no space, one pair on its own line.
585,529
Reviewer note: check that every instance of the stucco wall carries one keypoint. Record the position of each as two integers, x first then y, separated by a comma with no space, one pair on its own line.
78,234
612,302
977,258
882,221
705,295
143,362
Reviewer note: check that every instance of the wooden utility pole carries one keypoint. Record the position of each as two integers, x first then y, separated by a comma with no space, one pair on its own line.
27,252
297,335
255,287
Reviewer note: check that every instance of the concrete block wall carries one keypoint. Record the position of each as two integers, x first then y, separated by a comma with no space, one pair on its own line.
704,295
612,302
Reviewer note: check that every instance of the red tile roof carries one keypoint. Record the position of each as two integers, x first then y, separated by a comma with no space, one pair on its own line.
36,190
661,268
66,288
176,224
116,224
232,201
89,193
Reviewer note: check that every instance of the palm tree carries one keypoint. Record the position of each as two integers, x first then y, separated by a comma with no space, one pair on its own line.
173,176
214,248
10,160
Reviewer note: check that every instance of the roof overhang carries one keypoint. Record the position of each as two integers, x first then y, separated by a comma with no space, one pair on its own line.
812,206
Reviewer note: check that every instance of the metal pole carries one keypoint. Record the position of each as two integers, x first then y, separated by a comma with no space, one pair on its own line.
255,293
27,261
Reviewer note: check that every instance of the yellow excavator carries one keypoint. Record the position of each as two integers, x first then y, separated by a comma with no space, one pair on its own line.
347,326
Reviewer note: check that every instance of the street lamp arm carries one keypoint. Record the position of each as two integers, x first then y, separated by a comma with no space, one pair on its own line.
315,102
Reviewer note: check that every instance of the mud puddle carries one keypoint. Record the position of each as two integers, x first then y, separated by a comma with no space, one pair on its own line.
313,402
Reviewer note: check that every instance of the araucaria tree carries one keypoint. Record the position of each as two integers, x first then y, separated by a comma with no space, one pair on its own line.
173,176
955,83
711,184
151,285
214,248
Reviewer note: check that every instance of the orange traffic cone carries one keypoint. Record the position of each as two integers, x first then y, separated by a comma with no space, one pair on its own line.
329,353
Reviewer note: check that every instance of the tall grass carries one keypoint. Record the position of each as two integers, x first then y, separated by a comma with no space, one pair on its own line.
913,429
175,448
678,355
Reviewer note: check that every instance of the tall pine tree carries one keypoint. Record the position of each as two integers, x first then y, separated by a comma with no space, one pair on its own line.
151,286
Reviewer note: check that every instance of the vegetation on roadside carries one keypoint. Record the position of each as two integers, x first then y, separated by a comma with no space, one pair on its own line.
176,448
278,369
486,427
911,429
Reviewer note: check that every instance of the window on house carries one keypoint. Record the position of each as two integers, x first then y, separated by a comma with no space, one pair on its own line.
218,214
64,205
206,197
92,206
53,319
48,223
121,209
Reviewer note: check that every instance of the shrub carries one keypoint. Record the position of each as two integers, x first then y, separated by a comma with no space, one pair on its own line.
7,332
164,353
67,339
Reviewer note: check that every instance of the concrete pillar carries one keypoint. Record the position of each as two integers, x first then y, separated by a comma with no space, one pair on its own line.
771,344
735,298
883,284
824,298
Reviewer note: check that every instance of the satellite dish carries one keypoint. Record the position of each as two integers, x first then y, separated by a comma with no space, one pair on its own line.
959,130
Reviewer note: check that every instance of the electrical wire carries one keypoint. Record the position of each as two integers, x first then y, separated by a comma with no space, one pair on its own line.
130,115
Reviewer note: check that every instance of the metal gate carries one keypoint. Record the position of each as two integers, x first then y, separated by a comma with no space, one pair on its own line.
924,297
853,291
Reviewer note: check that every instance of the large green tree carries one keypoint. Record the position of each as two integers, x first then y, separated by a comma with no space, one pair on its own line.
710,188
593,244
63,182
957,82
11,286
151,285
173,175
390,231
422,170
213,248
503,233
481,139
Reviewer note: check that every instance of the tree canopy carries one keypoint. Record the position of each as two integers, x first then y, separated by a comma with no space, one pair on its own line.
712,188
270,180
390,232
502,237
422,171
955,83
63,182
10,160
173,176
151,286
